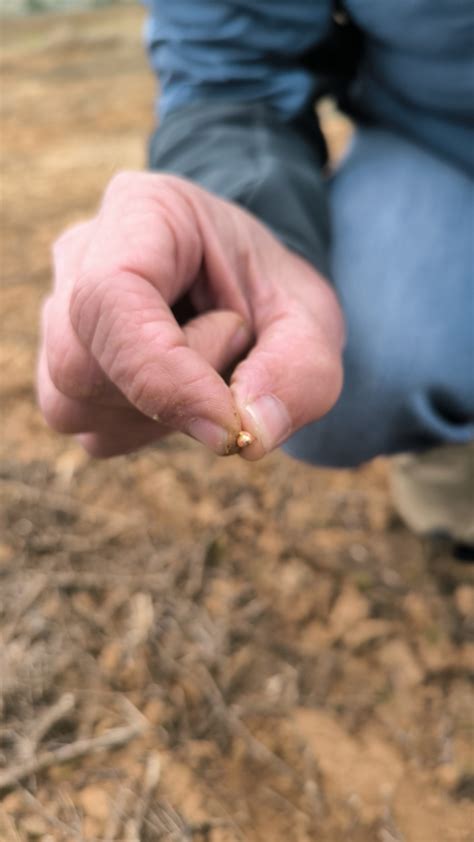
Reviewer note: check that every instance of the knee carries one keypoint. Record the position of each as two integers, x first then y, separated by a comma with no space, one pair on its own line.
383,409
388,405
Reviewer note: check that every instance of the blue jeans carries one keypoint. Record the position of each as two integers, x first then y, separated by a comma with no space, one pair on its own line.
402,261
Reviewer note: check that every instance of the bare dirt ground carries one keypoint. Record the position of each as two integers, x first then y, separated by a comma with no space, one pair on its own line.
197,649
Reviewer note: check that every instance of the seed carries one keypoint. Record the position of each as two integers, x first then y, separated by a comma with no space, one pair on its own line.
244,439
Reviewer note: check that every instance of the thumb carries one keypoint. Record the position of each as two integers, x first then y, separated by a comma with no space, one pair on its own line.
291,377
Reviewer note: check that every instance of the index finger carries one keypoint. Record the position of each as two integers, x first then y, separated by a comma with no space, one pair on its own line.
134,337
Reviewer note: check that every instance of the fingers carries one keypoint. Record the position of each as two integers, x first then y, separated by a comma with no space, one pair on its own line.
110,336
112,340
140,347
142,256
118,442
72,416
104,431
146,224
110,430
220,337
72,368
293,375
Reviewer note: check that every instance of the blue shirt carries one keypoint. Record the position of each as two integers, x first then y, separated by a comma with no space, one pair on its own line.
415,73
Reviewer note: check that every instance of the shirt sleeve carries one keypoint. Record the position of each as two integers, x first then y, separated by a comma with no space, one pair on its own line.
236,108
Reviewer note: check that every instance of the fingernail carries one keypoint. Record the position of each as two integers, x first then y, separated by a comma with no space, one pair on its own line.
271,420
209,434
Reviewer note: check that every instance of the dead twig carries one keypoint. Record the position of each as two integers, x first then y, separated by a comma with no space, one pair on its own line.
150,783
86,580
118,812
32,594
46,722
285,802
169,823
257,750
68,505
64,828
116,738
8,828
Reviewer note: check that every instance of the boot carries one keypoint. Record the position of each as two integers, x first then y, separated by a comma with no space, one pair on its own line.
434,495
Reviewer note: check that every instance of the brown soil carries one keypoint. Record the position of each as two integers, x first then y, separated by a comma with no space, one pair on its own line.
283,661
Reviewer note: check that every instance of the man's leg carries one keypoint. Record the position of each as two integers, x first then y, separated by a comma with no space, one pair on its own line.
402,263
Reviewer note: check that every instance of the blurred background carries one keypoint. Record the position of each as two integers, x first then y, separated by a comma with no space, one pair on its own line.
194,648
27,7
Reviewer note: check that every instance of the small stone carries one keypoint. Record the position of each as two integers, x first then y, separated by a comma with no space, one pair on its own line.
314,637
6,554
438,655
91,828
367,631
111,656
95,802
155,711
417,610
447,775
397,658
466,657
349,608
464,601
68,464
12,802
34,825
141,619
358,553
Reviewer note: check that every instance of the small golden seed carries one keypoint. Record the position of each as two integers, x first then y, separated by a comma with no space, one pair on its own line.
244,439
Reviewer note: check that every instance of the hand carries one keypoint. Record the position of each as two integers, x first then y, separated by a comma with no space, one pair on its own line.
117,368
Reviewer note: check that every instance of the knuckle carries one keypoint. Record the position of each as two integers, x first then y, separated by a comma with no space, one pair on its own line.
69,237
85,304
173,396
57,413
72,372
45,311
57,360
80,298
57,357
69,376
143,393
56,368
59,246
122,184
169,192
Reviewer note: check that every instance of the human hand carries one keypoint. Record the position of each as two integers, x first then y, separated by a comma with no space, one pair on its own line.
115,366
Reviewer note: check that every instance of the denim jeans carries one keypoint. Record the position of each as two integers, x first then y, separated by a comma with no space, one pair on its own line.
402,261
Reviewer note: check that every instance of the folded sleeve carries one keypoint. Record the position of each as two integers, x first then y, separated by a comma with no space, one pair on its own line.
236,108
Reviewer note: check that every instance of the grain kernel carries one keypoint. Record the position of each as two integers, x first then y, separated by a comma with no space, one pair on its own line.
244,439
